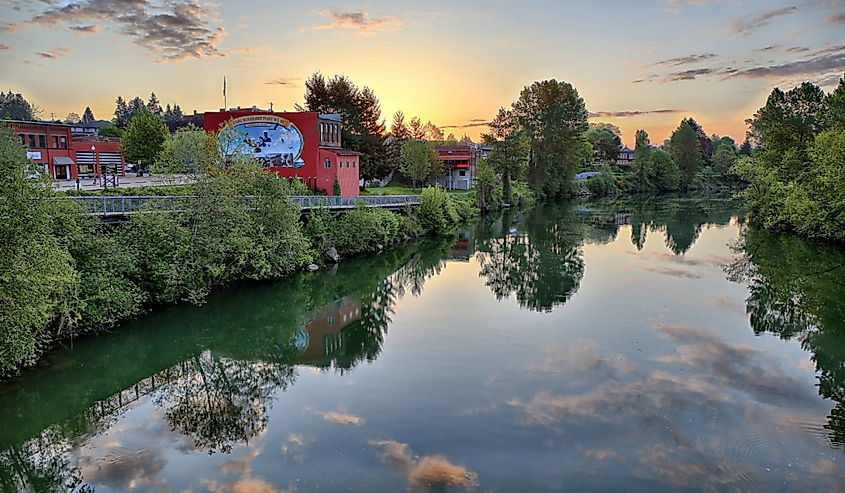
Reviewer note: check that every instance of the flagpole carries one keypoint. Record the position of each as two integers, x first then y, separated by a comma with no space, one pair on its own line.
225,104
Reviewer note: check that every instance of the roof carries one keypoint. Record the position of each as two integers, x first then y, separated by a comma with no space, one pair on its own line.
330,116
34,122
345,152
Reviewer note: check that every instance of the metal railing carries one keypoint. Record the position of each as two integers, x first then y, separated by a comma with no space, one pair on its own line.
127,204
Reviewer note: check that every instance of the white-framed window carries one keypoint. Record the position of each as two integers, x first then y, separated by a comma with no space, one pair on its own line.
327,164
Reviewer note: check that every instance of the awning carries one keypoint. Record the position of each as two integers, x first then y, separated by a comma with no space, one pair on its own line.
62,160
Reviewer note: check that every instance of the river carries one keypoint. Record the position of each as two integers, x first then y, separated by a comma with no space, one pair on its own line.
655,344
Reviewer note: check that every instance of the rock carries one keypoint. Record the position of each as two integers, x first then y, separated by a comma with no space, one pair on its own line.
312,267
332,255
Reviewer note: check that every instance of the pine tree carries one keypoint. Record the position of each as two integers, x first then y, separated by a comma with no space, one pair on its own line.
686,152
88,115
153,105
399,129
417,129
121,113
641,162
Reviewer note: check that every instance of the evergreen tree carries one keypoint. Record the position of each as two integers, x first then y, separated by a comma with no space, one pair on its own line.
686,152
417,129
745,148
121,113
703,139
135,107
153,105
88,115
665,173
399,129
13,106
834,114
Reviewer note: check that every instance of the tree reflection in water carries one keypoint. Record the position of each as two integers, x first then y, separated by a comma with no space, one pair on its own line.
250,344
796,289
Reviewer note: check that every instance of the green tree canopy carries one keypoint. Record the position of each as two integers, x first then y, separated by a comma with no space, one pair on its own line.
419,161
145,138
686,152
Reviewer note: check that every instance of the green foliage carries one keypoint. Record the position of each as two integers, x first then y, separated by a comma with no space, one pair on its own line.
37,278
88,115
605,142
797,181
665,175
642,165
487,192
13,106
191,150
686,153
602,184
115,132
437,212
509,158
336,188
419,161
554,117
144,139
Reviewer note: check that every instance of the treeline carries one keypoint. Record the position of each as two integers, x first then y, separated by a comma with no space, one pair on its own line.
63,274
796,182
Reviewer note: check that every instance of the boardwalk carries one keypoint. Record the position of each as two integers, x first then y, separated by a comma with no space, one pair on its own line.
115,207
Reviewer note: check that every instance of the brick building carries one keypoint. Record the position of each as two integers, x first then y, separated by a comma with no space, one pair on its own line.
66,152
301,145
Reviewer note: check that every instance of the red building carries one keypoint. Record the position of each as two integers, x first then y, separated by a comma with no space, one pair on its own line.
458,166
66,152
302,145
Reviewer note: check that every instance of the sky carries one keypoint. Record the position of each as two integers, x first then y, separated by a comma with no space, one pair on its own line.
644,64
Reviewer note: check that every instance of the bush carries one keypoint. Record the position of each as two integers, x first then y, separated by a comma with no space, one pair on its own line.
602,184
436,213
363,230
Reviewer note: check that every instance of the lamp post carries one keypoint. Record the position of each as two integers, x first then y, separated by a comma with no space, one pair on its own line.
97,170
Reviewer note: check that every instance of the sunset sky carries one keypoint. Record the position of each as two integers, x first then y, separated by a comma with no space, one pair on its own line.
637,64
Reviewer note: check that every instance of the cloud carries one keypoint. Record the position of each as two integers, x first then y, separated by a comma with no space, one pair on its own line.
747,25
823,61
87,29
471,124
175,31
360,22
54,54
838,18
282,82
673,62
428,473
341,418
623,114
4,47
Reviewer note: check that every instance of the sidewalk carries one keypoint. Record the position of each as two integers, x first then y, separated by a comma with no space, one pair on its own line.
126,182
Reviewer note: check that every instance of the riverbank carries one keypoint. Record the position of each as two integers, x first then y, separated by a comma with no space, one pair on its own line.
66,275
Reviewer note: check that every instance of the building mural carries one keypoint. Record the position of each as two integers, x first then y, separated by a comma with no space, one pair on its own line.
274,140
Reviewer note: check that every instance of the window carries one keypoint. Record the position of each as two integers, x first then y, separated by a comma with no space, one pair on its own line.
31,140
354,164
63,142
23,139
463,173
327,164
55,142
42,141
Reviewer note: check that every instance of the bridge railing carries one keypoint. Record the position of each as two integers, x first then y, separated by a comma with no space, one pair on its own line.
123,205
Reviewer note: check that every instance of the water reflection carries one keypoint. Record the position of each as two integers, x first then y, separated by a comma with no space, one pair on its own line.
212,371
668,389
796,291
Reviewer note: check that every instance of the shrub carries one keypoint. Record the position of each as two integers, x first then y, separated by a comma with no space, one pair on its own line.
436,213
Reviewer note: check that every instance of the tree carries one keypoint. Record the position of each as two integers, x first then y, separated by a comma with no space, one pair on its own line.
703,139
134,107
144,139
153,105
417,129
121,113
664,172
363,129
642,168
485,187
191,150
13,106
606,143
398,129
433,132
88,115
232,151
745,148
686,152
723,159
419,161
37,278
509,156
834,114
72,118
554,118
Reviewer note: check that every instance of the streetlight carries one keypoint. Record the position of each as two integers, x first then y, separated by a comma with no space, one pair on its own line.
97,170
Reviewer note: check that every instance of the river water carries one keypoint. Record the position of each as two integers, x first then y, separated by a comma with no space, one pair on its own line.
638,345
